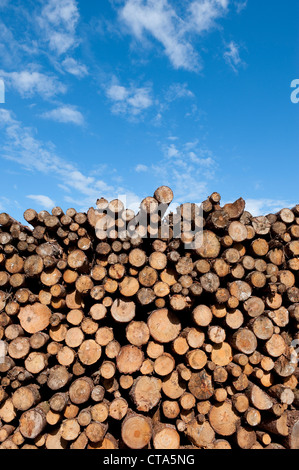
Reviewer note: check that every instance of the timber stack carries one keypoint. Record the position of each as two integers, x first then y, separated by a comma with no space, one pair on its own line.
121,334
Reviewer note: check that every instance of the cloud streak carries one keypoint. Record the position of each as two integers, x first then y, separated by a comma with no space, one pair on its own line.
30,82
74,67
131,100
58,21
65,114
172,29
265,206
232,56
43,201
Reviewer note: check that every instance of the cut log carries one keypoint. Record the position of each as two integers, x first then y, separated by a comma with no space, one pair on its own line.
32,423
89,352
146,393
244,341
221,354
223,419
118,408
123,311
202,315
173,386
201,435
259,398
235,209
164,365
275,346
200,385
34,318
163,325
209,246
196,359
136,431
95,432
129,359
80,390
165,436
129,286
246,437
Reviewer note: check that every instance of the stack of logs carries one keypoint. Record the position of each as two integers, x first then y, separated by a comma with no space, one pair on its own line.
120,338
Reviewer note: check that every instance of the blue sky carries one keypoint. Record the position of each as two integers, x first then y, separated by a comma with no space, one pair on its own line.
118,97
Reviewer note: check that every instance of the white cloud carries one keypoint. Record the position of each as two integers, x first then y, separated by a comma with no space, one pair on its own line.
172,30
58,21
232,55
30,82
160,20
6,117
140,99
65,114
117,93
205,12
265,206
130,101
46,26
177,91
172,151
13,49
141,168
75,68
43,201
241,5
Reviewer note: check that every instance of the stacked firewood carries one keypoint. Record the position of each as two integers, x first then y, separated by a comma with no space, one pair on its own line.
161,330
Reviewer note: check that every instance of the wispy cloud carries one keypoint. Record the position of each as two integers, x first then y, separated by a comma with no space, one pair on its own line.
177,91
65,114
232,55
172,151
8,45
31,82
58,21
205,12
141,168
74,67
43,201
131,100
240,5
172,29
266,206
